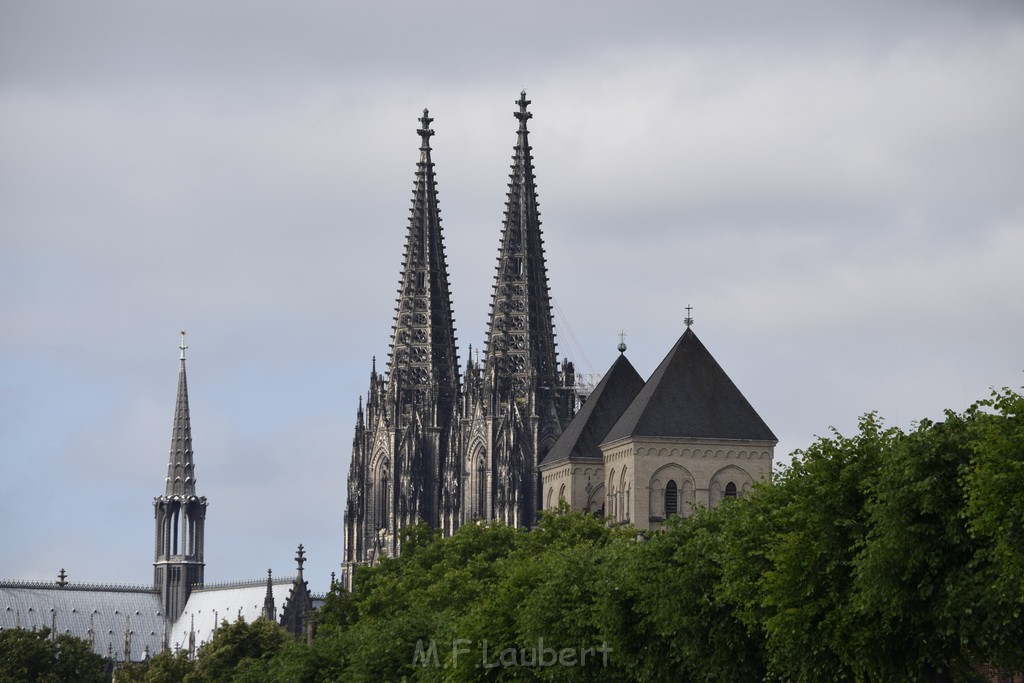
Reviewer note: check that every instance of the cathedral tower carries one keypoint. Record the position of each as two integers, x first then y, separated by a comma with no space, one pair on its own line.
519,400
404,439
180,514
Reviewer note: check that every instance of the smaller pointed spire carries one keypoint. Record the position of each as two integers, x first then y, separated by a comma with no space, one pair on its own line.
269,611
180,467
300,559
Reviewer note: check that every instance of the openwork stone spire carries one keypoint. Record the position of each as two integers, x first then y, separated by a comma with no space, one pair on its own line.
423,350
401,451
521,338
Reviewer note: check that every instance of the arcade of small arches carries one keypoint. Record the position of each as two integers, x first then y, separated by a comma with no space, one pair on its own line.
671,490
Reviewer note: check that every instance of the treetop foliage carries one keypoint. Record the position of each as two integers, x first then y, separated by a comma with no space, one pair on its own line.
878,556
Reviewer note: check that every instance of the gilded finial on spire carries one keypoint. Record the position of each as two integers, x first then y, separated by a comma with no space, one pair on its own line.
424,130
622,342
688,320
182,345
522,114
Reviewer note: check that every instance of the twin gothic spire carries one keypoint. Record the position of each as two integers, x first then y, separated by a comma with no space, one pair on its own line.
520,349
423,355
520,344
432,445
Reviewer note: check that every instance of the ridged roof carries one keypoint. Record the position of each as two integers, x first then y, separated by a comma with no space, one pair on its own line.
690,396
109,611
583,436
209,606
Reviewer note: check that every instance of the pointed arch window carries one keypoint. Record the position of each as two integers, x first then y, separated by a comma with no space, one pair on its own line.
481,486
730,490
671,498
384,502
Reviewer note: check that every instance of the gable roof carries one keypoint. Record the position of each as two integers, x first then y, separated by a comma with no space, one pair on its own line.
690,396
207,607
583,436
108,610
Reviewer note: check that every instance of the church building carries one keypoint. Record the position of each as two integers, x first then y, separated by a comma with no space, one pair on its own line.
180,610
639,452
501,440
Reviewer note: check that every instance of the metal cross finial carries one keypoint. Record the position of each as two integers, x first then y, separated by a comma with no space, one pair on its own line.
62,578
688,320
622,342
182,345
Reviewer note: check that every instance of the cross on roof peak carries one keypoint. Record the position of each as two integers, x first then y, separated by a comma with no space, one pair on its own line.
688,320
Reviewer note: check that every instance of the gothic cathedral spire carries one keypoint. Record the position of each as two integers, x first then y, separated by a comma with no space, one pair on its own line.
523,399
180,514
520,348
400,456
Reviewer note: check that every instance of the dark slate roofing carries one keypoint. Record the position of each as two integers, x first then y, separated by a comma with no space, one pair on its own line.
583,436
690,396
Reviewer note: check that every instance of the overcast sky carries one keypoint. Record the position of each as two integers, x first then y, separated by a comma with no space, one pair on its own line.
837,191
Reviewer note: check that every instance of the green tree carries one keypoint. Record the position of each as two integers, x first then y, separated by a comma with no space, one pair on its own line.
237,647
165,667
995,511
35,656
819,525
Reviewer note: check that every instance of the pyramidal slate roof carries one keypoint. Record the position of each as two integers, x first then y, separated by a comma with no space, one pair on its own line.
690,396
583,436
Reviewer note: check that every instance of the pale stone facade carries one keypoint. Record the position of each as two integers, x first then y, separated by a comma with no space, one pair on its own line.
686,438
640,471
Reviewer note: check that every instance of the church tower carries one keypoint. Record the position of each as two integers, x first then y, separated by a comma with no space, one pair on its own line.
404,439
519,400
180,514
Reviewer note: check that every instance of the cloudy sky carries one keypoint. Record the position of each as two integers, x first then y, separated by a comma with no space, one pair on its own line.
837,191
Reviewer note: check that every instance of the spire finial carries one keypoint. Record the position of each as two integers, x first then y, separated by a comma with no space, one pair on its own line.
622,342
424,130
522,114
182,345
300,558
62,578
688,320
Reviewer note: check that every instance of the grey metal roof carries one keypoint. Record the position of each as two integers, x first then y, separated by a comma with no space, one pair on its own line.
690,396
583,436
108,610
213,604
